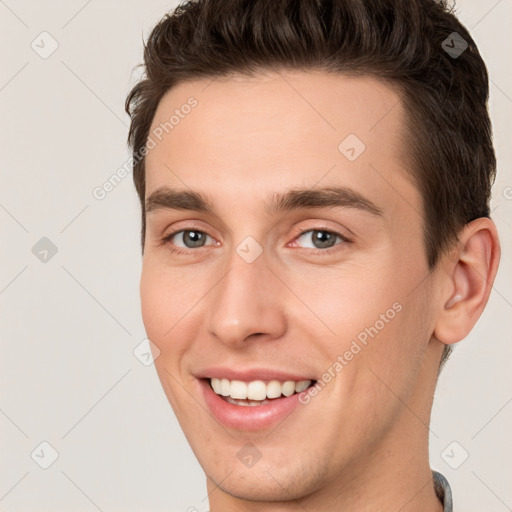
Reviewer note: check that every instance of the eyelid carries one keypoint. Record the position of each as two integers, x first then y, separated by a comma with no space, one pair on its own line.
328,251
166,239
322,226
187,225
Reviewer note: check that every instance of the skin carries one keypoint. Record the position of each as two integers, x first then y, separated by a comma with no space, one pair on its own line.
362,442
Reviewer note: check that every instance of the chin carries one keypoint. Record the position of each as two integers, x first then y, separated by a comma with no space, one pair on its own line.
268,480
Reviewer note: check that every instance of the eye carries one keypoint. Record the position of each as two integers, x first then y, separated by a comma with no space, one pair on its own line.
320,238
188,238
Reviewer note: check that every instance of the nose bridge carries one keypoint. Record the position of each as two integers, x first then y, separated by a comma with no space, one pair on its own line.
245,302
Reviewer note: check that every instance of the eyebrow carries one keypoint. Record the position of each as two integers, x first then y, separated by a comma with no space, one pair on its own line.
294,199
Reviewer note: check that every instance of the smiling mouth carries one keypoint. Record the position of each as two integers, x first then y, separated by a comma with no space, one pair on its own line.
256,392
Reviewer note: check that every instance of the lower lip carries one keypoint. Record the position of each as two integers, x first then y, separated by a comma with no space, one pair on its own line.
249,417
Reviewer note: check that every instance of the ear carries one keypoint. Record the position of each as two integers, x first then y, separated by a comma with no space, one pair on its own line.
468,273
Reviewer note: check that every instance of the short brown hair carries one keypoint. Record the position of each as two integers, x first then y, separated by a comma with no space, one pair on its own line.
404,42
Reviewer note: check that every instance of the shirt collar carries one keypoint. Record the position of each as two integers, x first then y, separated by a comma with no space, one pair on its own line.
443,491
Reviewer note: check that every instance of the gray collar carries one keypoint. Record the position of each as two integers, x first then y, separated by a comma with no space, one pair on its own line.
443,491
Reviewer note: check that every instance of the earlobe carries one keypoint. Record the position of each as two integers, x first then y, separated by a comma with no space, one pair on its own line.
468,278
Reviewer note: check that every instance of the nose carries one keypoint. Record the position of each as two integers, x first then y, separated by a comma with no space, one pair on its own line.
247,304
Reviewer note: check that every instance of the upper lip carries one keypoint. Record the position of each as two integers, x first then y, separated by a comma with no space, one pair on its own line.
250,374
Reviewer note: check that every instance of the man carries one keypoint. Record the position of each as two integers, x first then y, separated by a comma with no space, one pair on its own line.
315,180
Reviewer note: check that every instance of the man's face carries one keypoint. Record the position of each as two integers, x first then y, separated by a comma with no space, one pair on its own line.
331,287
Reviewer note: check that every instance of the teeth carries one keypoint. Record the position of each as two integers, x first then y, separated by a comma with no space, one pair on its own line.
256,391
216,385
273,389
246,403
302,385
238,390
224,387
288,388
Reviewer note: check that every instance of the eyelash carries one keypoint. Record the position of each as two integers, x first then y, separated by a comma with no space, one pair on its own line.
319,252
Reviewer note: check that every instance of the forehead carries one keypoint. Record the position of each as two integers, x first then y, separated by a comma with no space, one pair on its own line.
246,137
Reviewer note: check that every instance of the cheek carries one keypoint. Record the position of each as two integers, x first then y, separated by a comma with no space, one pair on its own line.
396,346
167,298
374,320
156,304
353,300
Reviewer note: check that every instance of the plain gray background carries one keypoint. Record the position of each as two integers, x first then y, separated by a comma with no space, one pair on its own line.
70,321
